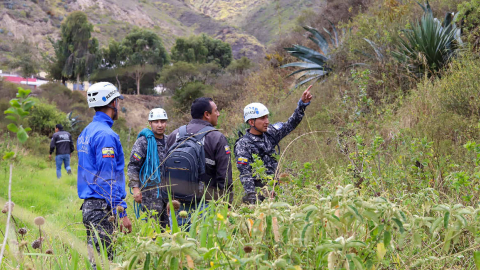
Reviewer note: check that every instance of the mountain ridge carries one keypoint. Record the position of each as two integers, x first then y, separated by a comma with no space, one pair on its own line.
37,20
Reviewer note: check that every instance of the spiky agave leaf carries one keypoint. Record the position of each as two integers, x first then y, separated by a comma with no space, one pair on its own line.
314,66
318,39
429,45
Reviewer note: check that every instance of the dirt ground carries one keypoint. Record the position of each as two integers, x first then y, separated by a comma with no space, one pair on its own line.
138,107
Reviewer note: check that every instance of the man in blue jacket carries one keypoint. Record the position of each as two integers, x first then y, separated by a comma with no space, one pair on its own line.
101,178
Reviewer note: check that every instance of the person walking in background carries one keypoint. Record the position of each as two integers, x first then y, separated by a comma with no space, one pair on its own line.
62,141
144,170
101,176
261,139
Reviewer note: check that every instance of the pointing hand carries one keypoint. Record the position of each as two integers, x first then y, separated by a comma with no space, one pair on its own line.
306,96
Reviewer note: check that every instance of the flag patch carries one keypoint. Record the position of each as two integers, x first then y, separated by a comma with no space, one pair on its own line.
227,149
137,157
242,161
108,152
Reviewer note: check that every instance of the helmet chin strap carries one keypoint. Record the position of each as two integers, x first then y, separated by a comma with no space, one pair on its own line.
115,110
254,127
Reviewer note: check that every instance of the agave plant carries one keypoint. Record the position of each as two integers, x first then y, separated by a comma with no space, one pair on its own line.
73,121
314,65
430,45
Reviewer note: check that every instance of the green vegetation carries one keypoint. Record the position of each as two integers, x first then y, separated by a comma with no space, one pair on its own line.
430,45
382,173
315,65
75,51
202,49
142,51
189,92
25,60
44,118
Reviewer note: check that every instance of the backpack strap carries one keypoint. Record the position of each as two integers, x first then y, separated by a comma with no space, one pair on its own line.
182,131
203,132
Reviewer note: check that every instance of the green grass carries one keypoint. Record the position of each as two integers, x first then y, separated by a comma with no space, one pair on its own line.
36,189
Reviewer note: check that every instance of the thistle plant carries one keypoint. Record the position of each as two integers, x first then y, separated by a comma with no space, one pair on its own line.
39,221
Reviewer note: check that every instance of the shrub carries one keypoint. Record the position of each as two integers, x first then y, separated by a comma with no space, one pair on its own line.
459,91
38,145
240,65
45,116
187,94
7,90
469,15
66,99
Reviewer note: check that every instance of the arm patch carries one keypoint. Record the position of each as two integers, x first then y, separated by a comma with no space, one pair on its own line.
278,125
108,152
242,161
137,157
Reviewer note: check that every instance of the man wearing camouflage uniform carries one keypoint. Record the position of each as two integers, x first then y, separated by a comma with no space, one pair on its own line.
147,193
261,140
101,177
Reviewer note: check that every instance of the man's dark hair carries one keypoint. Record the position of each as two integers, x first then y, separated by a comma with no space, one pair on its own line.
59,126
200,106
103,108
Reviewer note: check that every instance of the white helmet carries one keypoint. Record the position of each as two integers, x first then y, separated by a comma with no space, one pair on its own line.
101,94
157,114
253,111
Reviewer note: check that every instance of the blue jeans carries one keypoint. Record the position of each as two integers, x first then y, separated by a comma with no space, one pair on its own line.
190,208
59,159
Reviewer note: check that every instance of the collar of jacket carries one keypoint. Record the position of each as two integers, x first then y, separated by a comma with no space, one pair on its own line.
103,117
200,122
255,138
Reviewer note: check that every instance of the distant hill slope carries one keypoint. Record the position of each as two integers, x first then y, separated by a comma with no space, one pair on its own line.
264,19
246,24
114,19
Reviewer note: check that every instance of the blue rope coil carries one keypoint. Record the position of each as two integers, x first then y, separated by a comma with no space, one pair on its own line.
150,169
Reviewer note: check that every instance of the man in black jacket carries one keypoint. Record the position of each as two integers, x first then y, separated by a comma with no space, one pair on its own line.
217,153
61,140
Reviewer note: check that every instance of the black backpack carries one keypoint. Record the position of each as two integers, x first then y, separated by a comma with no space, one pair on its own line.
184,166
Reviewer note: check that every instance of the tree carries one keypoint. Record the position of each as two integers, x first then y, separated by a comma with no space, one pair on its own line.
202,49
189,92
178,75
143,52
241,65
114,60
25,60
76,51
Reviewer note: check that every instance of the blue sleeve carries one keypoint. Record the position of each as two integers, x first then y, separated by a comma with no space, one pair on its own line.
110,176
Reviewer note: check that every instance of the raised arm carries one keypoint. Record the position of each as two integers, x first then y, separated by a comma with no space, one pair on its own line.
283,129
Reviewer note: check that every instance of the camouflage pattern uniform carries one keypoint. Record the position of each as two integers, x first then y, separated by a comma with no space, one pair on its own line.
151,198
263,146
96,213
